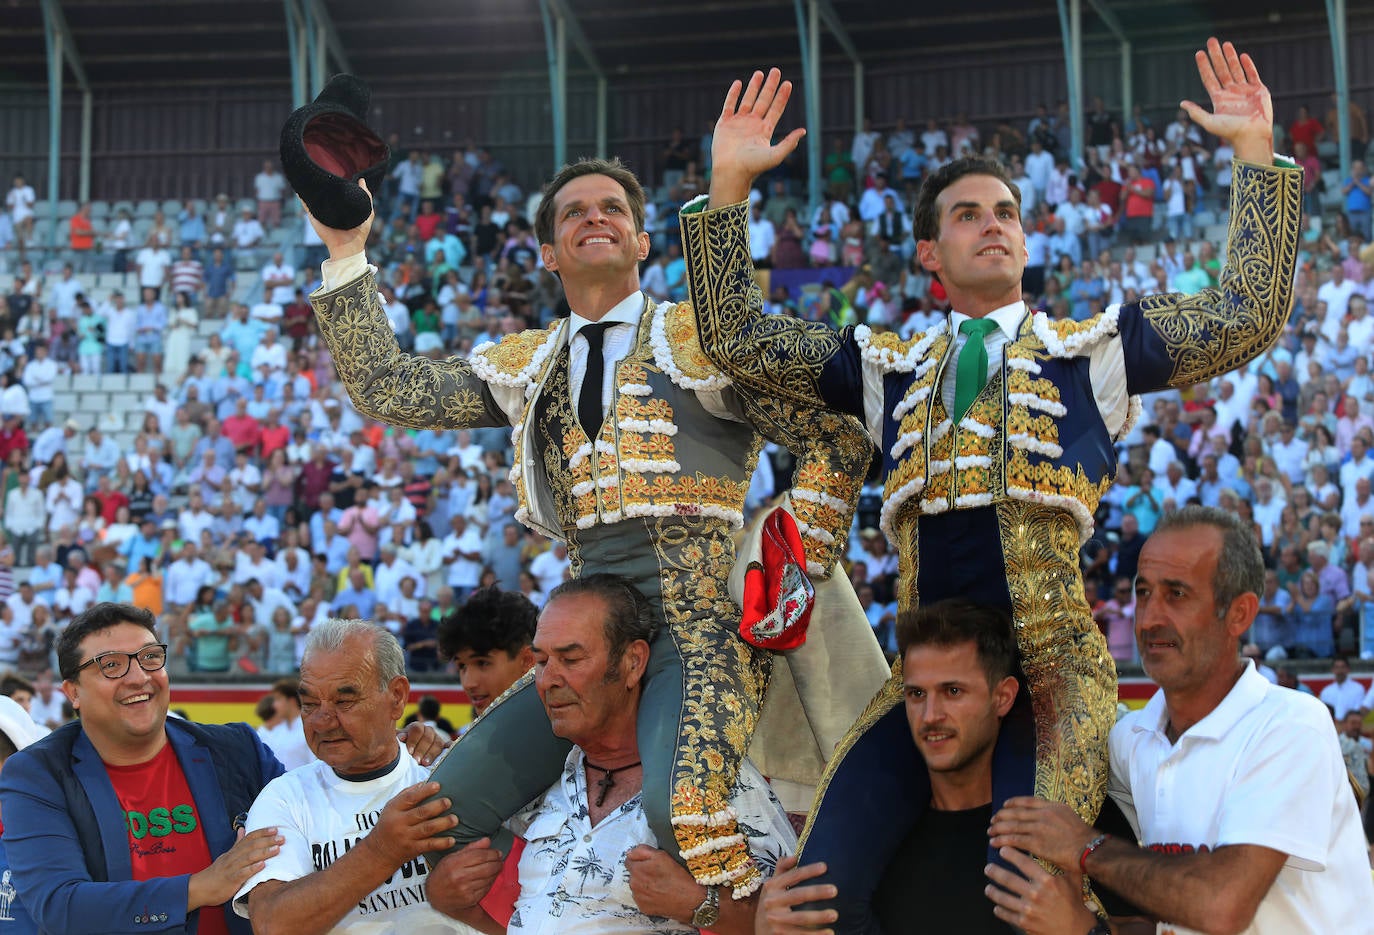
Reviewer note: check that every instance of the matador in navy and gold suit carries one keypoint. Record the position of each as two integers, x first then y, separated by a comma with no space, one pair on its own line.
994,507
656,496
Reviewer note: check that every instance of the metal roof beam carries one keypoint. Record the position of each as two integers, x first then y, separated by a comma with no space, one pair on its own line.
836,26
55,22
319,18
1109,18
563,12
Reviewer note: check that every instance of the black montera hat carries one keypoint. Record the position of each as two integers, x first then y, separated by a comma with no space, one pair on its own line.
327,146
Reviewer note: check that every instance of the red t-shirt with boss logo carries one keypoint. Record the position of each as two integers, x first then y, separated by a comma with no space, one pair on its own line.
165,834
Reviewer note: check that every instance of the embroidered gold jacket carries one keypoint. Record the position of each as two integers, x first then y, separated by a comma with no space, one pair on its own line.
1042,429
682,439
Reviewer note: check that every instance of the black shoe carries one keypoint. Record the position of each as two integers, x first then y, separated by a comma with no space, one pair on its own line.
326,146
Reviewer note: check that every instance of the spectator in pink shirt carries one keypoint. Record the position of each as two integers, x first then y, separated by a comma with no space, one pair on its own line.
361,522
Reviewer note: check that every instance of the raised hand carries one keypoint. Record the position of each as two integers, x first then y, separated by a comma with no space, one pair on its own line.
1242,112
742,146
342,244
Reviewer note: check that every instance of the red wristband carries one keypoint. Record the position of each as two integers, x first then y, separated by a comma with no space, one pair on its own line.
1092,845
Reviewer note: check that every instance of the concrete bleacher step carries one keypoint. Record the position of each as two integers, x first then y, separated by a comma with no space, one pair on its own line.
85,382
142,382
124,402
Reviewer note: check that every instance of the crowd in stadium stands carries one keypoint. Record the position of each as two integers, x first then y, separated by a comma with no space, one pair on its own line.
255,501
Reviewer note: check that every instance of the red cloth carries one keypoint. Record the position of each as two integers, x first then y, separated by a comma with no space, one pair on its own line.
166,838
500,899
778,595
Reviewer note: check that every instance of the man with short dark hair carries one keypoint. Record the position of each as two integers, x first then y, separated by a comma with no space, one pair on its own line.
959,685
1238,788
592,863
630,445
998,428
120,822
489,639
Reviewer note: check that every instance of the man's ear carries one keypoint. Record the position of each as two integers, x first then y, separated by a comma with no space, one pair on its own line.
398,693
525,657
643,240
635,662
73,693
546,255
925,250
1004,694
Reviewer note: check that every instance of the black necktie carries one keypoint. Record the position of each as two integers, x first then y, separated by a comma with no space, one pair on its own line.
589,400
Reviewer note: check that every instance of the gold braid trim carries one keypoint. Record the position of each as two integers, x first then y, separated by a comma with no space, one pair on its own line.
390,386
1070,674
770,353
1218,330
888,697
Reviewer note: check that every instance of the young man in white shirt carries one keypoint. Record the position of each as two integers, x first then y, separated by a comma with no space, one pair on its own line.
1237,787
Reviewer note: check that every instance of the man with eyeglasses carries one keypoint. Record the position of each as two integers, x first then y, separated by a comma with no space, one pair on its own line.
124,820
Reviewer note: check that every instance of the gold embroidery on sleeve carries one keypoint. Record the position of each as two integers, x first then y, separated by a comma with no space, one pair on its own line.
1218,330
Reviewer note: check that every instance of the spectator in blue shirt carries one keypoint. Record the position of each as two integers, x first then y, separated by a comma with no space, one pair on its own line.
357,595
1357,190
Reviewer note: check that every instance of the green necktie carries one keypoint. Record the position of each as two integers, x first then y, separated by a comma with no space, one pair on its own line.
973,364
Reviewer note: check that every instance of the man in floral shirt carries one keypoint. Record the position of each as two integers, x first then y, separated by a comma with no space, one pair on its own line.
591,862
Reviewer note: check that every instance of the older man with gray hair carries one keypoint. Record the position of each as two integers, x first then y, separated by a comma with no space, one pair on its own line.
356,821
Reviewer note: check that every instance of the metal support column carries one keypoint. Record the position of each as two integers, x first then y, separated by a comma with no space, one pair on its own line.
560,28
1335,17
54,128
602,97
296,43
87,114
1071,28
811,85
1105,13
555,49
61,49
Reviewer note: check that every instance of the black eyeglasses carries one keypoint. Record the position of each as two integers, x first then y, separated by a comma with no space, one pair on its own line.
115,665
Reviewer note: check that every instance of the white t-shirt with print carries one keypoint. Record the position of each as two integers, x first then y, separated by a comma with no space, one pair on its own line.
322,816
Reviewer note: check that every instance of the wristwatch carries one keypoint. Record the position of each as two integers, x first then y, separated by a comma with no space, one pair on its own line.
1101,928
708,913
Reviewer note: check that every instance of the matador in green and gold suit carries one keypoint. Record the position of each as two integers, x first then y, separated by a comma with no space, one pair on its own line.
993,507
657,496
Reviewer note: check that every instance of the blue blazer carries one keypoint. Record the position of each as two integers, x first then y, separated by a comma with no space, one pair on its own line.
68,844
